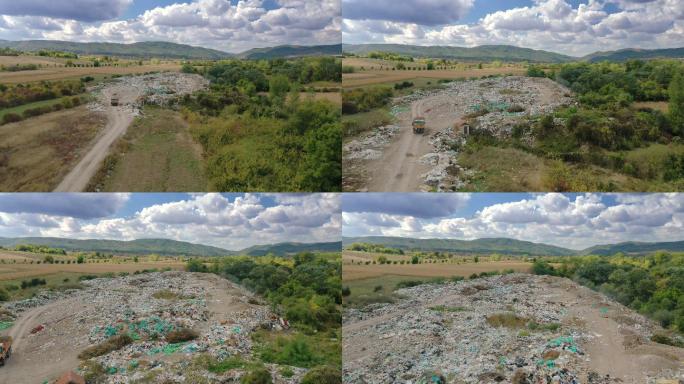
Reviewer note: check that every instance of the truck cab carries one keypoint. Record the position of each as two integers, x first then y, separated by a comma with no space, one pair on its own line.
419,125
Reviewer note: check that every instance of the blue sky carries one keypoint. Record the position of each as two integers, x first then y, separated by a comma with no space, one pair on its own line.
569,220
571,27
228,25
231,221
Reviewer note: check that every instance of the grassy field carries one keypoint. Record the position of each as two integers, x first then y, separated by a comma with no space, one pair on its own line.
37,153
661,106
156,154
63,73
513,170
376,283
357,272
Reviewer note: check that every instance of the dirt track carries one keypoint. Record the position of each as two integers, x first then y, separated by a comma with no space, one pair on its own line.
156,88
401,342
118,120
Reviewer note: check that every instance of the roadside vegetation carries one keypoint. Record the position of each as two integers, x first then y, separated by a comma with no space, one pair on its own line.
625,133
304,289
263,129
652,285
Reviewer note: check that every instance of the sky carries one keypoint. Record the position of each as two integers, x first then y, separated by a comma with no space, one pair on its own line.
575,221
229,221
227,25
572,27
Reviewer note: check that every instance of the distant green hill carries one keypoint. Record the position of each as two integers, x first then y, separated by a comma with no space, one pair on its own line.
158,49
512,247
291,51
480,53
291,248
167,247
142,246
631,53
479,246
634,248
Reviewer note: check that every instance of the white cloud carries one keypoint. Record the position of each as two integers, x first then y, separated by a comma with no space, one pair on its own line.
553,25
564,220
211,219
82,10
217,24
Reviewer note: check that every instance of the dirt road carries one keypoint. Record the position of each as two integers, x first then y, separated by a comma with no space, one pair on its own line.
118,120
399,169
446,330
156,88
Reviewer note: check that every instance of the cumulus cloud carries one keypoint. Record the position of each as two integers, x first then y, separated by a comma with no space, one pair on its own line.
574,221
424,12
406,204
232,222
81,10
219,24
555,25
81,206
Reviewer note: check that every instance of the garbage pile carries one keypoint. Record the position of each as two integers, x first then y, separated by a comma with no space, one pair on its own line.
503,329
369,146
150,310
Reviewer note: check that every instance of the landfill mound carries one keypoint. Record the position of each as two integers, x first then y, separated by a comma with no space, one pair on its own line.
506,329
53,328
378,160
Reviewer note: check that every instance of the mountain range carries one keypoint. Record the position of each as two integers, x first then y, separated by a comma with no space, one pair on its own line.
511,246
168,50
167,247
509,53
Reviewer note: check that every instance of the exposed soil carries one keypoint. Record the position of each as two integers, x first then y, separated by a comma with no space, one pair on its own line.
478,332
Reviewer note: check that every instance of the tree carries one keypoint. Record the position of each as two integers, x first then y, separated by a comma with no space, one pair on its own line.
414,260
278,87
80,259
676,112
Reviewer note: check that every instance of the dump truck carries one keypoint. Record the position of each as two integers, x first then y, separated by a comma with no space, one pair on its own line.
115,100
419,125
5,349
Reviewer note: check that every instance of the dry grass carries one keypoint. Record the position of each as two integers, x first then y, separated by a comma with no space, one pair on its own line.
661,106
112,344
35,154
360,79
156,154
357,272
61,73
508,320
21,271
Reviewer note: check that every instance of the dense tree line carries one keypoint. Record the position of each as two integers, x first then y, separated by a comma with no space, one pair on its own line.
260,133
652,285
306,289
365,99
375,248
20,94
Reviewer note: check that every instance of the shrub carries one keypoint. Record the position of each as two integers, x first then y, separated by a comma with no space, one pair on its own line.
181,335
4,295
259,375
11,118
112,344
346,291
323,375
508,320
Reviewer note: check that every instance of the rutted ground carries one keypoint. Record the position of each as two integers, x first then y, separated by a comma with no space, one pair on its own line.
453,333
132,92
393,158
146,307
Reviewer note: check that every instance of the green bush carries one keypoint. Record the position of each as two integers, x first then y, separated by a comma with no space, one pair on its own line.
11,118
112,344
259,375
323,375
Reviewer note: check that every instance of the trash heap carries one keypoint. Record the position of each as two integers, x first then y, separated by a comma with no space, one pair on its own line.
503,329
